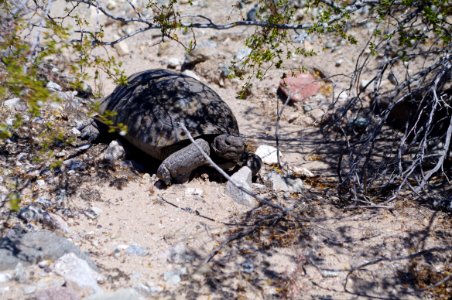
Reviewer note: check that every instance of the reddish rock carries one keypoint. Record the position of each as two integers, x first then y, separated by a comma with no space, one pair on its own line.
299,87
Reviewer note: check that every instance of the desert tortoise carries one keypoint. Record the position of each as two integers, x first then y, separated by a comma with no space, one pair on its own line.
154,103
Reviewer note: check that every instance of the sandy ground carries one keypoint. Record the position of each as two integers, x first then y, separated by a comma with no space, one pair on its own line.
198,216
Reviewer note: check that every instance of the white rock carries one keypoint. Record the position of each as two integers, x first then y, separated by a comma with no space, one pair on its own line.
15,104
41,182
173,62
193,192
268,154
122,294
302,172
191,74
122,48
5,277
363,84
75,131
111,5
29,289
284,184
53,87
242,177
20,273
93,212
77,270
338,62
114,152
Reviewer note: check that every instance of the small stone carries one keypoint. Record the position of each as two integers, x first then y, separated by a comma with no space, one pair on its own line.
40,182
43,264
276,182
201,53
247,267
20,274
149,289
364,84
121,294
338,62
193,192
268,154
299,87
111,5
317,114
114,152
173,277
74,164
5,277
295,185
121,47
15,104
307,108
302,172
173,63
56,293
29,289
283,183
76,270
93,212
179,254
68,96
191,74
242,54
136,250
242,177
53,87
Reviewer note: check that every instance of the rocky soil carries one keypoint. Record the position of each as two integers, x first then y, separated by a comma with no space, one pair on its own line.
101,226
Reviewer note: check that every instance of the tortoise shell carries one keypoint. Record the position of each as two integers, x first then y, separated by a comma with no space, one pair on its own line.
153,103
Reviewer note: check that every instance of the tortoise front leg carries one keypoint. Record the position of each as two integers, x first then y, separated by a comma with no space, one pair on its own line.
178,166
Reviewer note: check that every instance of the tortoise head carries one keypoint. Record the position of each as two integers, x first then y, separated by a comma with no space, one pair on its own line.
228,147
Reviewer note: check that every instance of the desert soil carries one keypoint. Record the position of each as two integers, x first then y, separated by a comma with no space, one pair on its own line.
337,252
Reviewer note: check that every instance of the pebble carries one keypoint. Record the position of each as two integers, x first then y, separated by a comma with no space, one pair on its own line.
242,177
179,254
121,294
56,293
93,212
76,270
338,62
122,48
74,164
284,184
363,84
307,108
173,63
20,274
114,152
136,250
29,289
173,277
149,289
191,74
193,192
5,277
301,172
15,103
268,154
53,87
40,182
317,114
242,53
111,5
